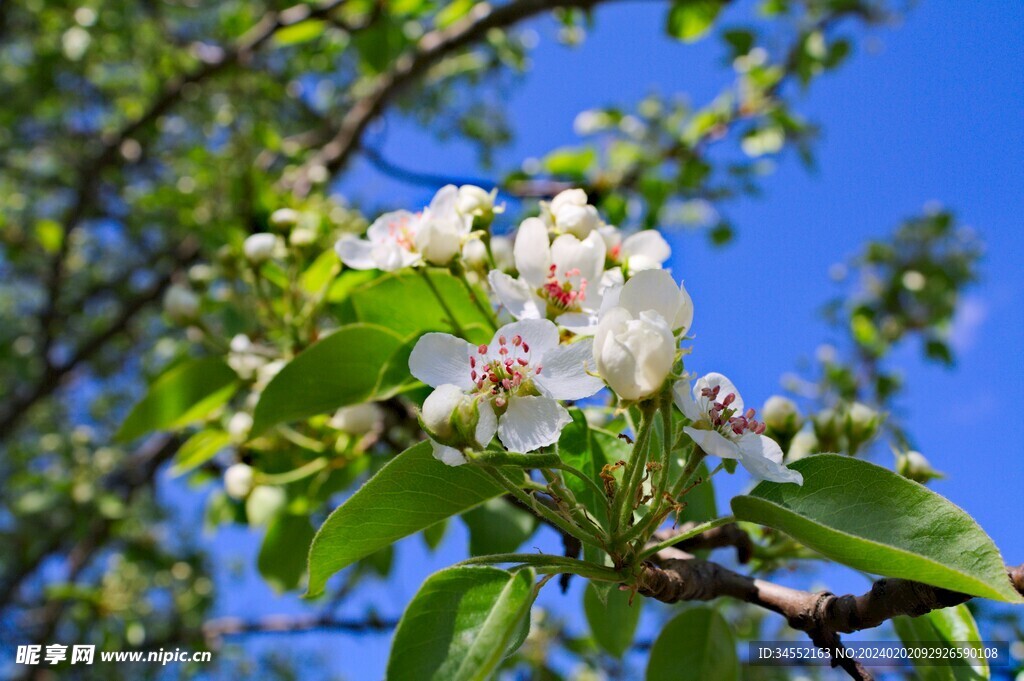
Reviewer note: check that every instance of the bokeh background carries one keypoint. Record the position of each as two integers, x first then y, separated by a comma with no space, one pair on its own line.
926,113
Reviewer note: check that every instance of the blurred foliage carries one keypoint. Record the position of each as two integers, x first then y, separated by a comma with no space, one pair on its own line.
142,143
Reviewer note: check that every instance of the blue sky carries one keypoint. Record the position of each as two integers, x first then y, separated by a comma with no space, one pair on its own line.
931,111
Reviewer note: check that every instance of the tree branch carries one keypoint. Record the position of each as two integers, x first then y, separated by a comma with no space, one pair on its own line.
429,50
823,615
217,629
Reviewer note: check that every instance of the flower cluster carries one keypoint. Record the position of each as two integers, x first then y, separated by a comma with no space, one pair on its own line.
585,307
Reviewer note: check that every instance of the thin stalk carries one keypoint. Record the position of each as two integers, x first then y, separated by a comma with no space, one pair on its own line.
683,536
696,456
484,309
545,563
542,510
303,471
444,304
622,504
584,477
576,510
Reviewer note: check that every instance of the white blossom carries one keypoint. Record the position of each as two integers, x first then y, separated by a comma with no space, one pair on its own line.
569,213
521,374
239,426
477,202
259,248
643,250
238,480
721,427
358,419
181,303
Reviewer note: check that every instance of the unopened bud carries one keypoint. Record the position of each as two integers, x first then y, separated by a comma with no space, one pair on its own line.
239,426
259,248
238,480
358,419
803,445
181,304
456,419
477,202
284,218
861,424
915,466
781,415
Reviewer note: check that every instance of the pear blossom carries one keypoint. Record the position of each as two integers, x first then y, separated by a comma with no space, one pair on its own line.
477,202
239,426
259,248
358,419
239,479
643,250
181,303
283,218
569,213
564,280
721,427
501,251
402,239
635,341
519,377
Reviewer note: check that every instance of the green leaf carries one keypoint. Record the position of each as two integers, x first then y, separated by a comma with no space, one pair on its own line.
405,303
689,20
299,33
186,393
697,645
460,624
496,526
199,449
434,535
341,369
612,619
411,493
282,559
946,626
872,519
580,449
570,161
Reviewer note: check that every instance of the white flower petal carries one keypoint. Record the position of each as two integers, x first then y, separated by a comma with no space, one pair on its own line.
580,323
652,290
445,200
716,380
587,256
487,425
713,443
355,253
762,457
540,334
521,301
532,422
532,252
684,316
440,358
648,244
390,226
564,371
447,455
684,400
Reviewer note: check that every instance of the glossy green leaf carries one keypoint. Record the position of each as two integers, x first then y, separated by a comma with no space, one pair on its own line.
695,646
612,619
341,369
434,535
689,20
199,449
497,526
460,624
282,558
946,627
188,392
872,519
412,492
406,304
302,32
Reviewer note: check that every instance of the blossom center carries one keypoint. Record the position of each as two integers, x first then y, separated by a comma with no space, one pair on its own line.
503,371
400,231
724,418
563,293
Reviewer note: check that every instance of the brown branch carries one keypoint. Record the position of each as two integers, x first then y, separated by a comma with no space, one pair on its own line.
715,538
217,629
429,50
54,374
823,615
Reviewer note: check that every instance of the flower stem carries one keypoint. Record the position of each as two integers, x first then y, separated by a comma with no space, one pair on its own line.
444,304
544,563
622,503
485,309
683,536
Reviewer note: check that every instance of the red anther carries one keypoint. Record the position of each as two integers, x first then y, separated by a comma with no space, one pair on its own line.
705,392
501,340
522,362
717,406
493,377
472,362
552,269
503,351
749,413
537,370
472,375
738,429
729,399
517,379
760,428
500,402
517,340
506,384
526,348
716,390
482,349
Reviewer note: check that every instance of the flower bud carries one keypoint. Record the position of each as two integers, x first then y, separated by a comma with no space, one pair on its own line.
456,419
827,427
861,424
358,419
239,426
634,355
181,304
238,480
915,466
284,218
302,236
259,248
474,254
439,240
781,415
503,254
803,445
570,213
476,201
